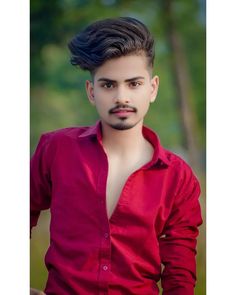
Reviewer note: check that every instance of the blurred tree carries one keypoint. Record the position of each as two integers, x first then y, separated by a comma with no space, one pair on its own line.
58,97
182,81
44,17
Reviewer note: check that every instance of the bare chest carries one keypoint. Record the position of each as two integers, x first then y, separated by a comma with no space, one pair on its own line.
119,170
118,174
116,180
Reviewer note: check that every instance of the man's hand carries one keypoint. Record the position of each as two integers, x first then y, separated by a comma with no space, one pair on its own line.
36,292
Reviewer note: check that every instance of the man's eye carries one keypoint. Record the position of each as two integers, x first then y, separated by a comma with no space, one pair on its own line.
135,84
108,85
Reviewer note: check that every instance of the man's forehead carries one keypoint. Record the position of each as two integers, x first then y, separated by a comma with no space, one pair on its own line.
121,76
125,67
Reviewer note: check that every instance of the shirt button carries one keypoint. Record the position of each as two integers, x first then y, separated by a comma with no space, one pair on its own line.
106,235
105,267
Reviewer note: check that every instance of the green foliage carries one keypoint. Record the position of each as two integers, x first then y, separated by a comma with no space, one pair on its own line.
54,23
58,97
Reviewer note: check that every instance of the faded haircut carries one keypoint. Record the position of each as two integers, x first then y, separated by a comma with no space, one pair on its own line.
111,38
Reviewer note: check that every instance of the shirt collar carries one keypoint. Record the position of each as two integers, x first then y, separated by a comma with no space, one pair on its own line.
159,152
94,130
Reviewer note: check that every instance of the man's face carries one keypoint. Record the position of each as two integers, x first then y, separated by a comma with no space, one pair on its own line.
122,91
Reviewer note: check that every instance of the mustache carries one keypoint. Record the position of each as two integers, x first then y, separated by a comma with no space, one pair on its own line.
122,107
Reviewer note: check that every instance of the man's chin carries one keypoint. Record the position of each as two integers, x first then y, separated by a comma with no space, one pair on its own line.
122,126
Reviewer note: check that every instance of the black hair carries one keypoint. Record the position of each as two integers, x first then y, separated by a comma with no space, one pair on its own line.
110,38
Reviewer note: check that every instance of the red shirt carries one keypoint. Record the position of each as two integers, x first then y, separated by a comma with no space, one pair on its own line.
155,220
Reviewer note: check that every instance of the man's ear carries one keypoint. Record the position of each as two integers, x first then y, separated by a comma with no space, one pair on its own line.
154,88
90,91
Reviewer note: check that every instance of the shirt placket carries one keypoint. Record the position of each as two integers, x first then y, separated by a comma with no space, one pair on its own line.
105,250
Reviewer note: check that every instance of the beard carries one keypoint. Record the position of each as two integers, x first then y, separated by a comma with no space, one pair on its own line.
122,125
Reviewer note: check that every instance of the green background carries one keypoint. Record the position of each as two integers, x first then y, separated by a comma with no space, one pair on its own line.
58,98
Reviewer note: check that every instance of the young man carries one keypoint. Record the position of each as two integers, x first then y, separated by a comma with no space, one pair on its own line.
121,205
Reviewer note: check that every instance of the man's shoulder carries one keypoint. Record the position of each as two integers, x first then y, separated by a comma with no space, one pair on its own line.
51,140
174,158
166,157
177,162
68,132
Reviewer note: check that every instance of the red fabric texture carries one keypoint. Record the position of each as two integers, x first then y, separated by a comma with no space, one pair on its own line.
155,220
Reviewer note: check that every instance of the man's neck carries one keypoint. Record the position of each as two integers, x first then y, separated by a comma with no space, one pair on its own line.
123,142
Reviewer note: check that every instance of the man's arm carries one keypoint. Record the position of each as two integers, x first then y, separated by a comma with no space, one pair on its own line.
40,187
40,184
178,240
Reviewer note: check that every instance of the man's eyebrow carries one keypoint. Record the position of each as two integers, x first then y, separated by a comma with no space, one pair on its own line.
134,79
106,80
127,80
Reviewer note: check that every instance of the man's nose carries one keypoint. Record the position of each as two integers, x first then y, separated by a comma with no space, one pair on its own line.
121,96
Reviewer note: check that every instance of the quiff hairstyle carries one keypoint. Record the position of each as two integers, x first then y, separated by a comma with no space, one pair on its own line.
110,38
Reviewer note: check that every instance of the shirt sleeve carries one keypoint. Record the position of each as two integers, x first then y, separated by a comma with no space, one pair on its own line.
178,240
40,183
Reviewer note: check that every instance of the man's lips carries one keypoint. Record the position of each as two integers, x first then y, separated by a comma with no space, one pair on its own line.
122,110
